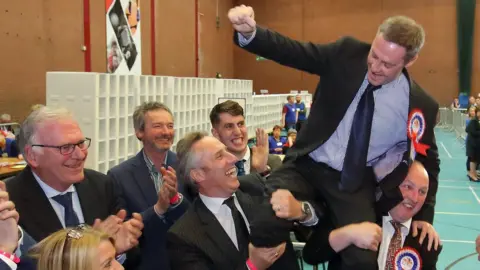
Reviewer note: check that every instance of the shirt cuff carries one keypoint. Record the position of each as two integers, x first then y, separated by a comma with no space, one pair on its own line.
9,262
18,251
313,220
242,41
121,258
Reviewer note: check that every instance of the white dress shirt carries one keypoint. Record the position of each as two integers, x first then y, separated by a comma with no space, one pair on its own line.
246,158
59,209
224,215
387,233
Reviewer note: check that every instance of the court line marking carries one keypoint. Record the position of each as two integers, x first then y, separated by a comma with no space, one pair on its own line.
457,241
474,193
445,148
458,187
450,180
457,214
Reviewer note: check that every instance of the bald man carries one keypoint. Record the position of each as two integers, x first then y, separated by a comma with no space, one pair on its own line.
395,241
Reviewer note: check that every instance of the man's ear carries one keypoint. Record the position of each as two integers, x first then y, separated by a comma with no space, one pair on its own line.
139,134
197,175
410,63
215,133
31,156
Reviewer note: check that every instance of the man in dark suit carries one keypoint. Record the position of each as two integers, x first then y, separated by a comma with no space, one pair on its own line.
216,230
395,237
55,191
144,181
358,113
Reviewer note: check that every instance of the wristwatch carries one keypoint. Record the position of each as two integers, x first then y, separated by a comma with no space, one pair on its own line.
306,210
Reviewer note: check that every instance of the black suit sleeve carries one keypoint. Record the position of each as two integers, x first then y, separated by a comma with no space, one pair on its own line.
4,266
432,165
473,128
185,256
305,56
317,250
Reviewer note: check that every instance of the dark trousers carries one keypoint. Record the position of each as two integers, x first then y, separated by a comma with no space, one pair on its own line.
318,183
299,125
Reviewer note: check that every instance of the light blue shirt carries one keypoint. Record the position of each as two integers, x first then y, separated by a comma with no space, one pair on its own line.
58,208
389,126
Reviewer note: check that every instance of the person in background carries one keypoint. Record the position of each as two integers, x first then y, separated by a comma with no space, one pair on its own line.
8,146
275,142
289,114
471,115
455,104
472,145
81,247
291,138
302,112
6,119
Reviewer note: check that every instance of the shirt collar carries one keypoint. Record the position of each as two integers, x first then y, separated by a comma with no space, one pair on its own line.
213,204
393,83
405,224
246,157
49,191
149,162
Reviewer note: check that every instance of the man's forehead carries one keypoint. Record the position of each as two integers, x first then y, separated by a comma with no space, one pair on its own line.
226,118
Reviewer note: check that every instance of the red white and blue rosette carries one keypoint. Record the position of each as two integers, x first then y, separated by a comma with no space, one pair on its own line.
415,130
407,259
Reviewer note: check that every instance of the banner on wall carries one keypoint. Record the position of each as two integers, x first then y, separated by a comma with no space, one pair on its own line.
123,37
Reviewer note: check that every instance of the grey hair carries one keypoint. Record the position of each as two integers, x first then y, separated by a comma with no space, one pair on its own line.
141,110
187,159
29,127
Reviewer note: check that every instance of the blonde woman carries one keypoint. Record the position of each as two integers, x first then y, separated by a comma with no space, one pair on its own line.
80,248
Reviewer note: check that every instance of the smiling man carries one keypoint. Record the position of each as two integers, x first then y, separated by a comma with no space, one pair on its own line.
359,113
56,191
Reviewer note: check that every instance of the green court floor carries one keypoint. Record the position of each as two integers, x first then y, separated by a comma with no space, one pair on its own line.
457,217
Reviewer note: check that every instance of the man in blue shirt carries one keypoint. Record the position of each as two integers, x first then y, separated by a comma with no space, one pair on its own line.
356,138
302,112
289,114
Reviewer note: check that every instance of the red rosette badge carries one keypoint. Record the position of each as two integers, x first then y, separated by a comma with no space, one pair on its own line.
407,259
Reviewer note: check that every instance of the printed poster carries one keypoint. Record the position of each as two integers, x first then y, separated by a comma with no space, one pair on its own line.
123,37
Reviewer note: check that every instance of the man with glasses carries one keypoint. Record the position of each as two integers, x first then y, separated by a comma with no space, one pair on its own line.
55,191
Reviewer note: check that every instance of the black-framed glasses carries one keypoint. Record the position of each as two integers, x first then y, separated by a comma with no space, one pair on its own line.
67,149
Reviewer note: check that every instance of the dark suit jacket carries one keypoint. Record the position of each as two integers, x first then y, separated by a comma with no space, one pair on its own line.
198,241
95,192
318,250
342,66
136,193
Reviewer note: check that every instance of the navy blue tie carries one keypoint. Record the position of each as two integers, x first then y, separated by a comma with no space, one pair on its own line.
71,219
240,167
355,161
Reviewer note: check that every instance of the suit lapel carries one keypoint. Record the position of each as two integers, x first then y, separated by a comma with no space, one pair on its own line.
246,202
37,204
143,179
216,233
88,201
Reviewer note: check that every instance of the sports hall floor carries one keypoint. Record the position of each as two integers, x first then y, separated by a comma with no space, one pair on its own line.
457,217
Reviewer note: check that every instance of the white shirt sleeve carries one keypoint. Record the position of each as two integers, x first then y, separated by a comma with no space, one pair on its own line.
242,41
9,262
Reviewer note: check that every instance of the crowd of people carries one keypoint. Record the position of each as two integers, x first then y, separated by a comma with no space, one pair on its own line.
356,179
